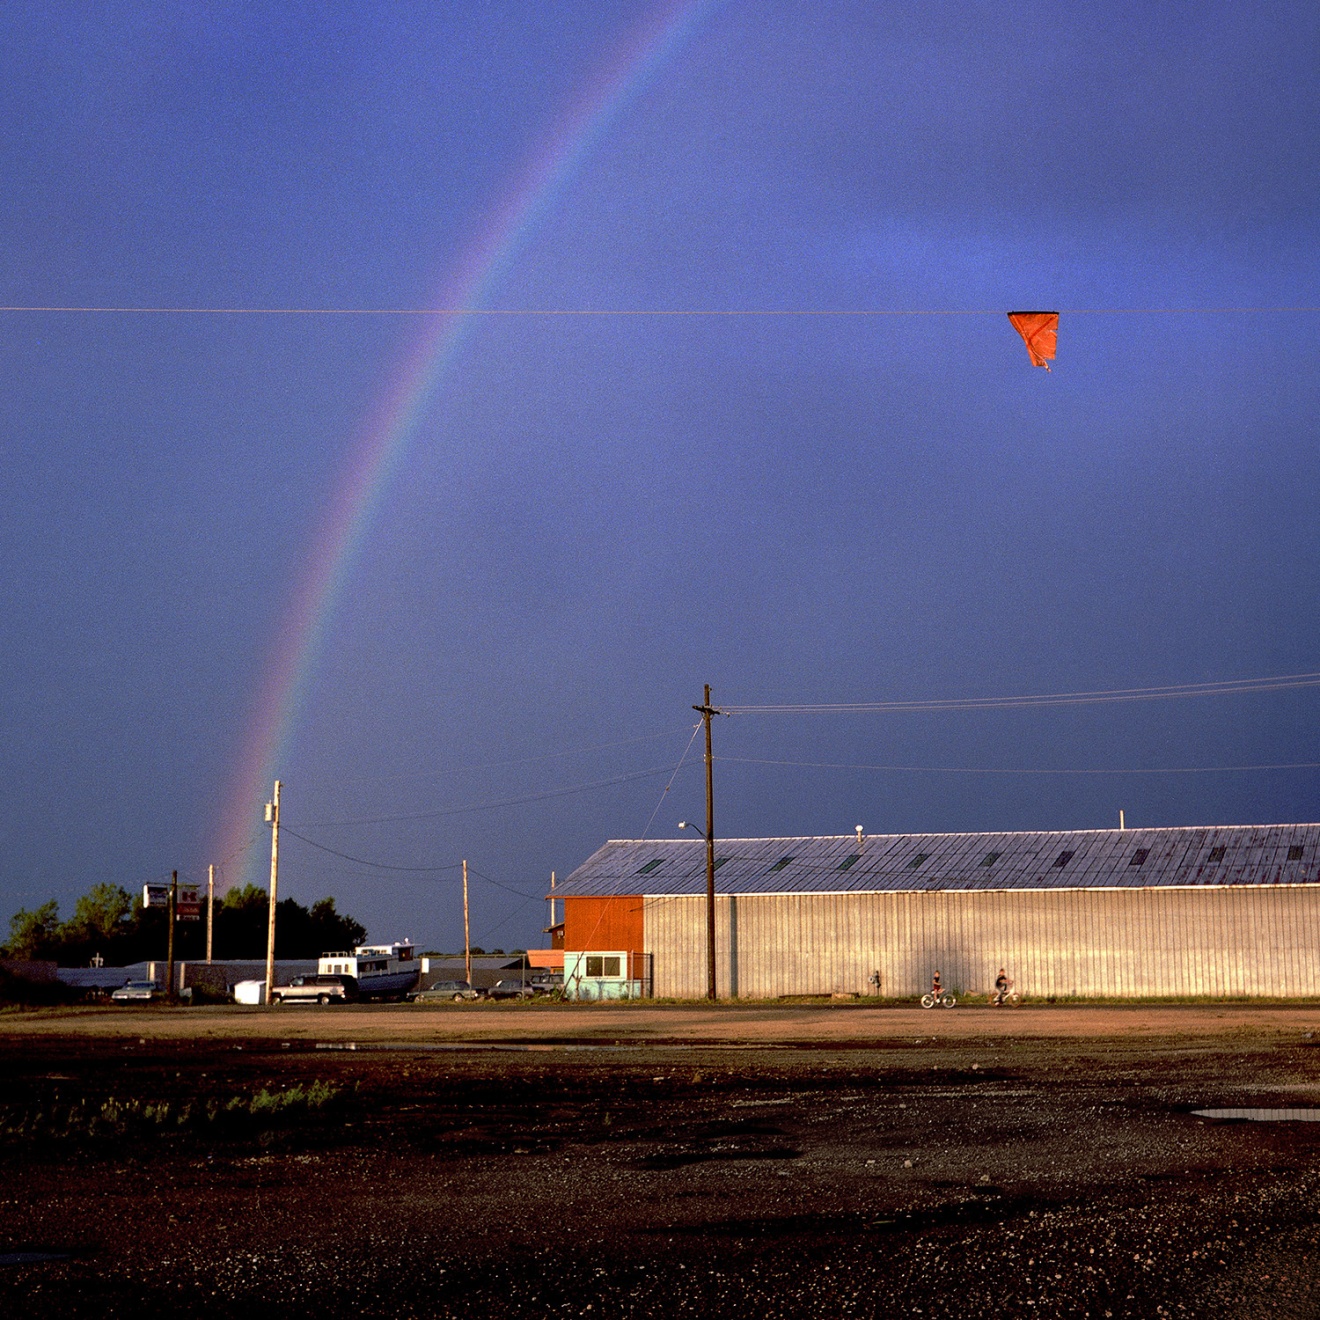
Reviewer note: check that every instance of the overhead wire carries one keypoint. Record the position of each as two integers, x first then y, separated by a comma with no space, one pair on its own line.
995,770
502,802
1225,687
363,861
637,311
519,760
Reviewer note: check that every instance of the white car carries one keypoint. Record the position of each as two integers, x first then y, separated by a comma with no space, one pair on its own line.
136,992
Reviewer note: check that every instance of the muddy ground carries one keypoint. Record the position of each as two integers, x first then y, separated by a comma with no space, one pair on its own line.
813,1161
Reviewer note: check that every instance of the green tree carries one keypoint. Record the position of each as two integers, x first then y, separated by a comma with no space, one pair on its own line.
99,913
34,934
330,931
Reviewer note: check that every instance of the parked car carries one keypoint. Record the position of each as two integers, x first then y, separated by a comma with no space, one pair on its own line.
136,992
317,988
445,991
510,989
547,983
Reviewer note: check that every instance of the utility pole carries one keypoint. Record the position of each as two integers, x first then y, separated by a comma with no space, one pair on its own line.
170,915
210,908
552,904
706,710
273,819
467,936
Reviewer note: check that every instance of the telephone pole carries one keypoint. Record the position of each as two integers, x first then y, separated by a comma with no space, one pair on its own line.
170,915
706,710
210,908
273,819
467,937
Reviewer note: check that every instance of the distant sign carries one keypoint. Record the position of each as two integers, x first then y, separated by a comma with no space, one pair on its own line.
189,906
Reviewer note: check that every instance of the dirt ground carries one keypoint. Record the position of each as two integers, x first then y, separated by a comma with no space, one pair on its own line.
484,1160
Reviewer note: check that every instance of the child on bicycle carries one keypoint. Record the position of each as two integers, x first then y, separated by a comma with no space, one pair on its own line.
936,989
1002,987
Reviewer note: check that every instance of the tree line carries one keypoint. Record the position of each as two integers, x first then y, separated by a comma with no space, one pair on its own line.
109,922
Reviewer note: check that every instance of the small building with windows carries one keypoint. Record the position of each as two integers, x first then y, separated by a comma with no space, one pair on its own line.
615,974
1216,910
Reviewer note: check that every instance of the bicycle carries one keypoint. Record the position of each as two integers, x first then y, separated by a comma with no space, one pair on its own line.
944,1000
1006,998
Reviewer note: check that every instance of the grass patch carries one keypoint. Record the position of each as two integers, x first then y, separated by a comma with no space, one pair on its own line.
114,1119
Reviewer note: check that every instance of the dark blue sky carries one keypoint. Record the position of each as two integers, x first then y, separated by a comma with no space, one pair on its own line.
598,515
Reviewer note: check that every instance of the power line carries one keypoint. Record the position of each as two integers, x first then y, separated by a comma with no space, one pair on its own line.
504,802
417,870
1226,687
363,861
980,770
520,760
639,311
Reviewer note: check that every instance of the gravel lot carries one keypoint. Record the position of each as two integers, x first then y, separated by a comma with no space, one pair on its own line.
761,1161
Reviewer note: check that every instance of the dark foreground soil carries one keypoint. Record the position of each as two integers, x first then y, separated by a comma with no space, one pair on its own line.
250,1175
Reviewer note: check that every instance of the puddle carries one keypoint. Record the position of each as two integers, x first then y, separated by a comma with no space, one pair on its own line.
1262,1115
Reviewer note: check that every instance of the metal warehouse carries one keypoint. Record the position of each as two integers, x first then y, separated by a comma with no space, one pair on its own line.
1223,910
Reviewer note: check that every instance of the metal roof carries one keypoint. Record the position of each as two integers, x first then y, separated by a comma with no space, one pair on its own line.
1057,859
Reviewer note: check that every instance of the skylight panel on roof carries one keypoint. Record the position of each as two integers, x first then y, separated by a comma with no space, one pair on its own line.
1065,857
990,858
719,861
1139,857
653,865
917,861
850,861
1295,853
781,863
1217,854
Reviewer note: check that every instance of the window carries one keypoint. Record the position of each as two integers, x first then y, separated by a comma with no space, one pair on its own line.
990,859
781,863
917,861
1295,853
1139,857
651,866
611,966
1216,854
1065,857
850,861
595,965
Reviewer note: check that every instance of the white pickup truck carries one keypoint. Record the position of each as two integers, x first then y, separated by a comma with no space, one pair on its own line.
316,988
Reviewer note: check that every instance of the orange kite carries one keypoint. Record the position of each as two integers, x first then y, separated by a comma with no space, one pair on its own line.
1040,333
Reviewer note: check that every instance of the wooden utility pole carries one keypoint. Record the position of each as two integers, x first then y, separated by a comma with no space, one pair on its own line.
706,710
467,936
170,915
210,908
273,818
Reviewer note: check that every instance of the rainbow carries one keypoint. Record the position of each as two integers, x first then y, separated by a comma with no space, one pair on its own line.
386,438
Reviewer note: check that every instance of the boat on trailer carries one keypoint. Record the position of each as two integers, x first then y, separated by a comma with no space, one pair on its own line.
382,971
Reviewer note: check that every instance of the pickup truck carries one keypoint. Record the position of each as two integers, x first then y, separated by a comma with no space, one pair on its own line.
316,988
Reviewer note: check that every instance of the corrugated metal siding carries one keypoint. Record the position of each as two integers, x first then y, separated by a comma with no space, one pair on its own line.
1253,855
1112,941
603,923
